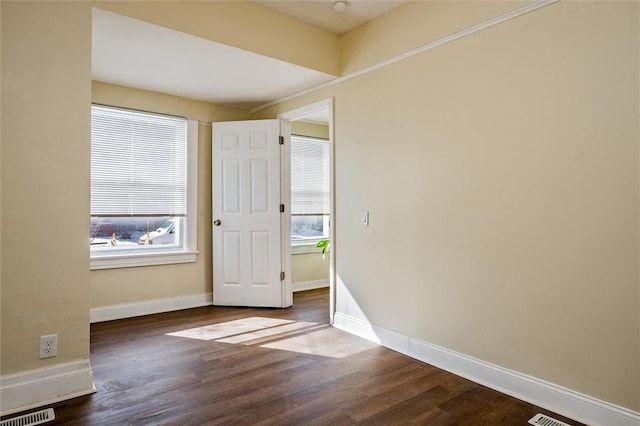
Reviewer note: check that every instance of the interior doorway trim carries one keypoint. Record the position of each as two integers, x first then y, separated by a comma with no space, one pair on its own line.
295,115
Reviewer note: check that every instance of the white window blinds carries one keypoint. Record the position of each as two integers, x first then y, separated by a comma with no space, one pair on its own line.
138,163
309,176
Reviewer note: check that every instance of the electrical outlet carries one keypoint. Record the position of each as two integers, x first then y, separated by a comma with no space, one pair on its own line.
49,346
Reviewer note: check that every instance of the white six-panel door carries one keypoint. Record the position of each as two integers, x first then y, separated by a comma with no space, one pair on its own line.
247,256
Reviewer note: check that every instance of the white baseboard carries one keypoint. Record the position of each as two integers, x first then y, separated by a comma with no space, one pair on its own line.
154,306
566,402
309,285
35,388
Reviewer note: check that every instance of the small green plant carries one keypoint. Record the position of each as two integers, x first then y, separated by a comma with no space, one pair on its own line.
324,244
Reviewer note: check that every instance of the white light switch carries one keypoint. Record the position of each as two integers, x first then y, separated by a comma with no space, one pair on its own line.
364,217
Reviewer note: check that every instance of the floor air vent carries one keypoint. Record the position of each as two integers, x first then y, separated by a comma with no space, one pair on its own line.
31,419
542,420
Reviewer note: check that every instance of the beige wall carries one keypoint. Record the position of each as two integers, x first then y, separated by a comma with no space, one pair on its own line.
0,195
130,285
46,93
307,267
111,94
501,173
313,130
404,28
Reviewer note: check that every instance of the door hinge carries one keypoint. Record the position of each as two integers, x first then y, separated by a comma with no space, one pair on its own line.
282,276
281,140
281,208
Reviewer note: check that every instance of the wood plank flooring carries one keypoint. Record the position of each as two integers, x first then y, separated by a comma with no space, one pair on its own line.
245,366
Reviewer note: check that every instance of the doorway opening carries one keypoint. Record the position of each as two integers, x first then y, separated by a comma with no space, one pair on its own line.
310,185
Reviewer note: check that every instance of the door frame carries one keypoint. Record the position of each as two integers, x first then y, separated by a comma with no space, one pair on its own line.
286,118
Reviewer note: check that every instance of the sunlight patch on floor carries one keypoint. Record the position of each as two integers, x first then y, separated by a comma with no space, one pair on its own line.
326,341
287,335
230,329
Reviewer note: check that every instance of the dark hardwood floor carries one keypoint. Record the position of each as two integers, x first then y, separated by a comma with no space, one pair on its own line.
227,366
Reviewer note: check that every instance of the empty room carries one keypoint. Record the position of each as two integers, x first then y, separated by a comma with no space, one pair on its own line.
320,212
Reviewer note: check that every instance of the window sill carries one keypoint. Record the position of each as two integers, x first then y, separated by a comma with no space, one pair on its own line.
130,260
305,248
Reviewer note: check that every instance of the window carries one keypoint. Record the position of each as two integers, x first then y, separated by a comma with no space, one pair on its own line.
309,190
142,188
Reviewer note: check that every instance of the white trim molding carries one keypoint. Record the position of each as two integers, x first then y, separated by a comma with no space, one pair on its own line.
420,49
131,260
553,397
147,307
35,388
309,285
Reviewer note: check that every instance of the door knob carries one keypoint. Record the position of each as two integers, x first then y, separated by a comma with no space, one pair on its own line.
217,222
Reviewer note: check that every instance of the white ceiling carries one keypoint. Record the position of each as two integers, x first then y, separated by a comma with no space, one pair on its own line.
322,14
317,117
133,53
